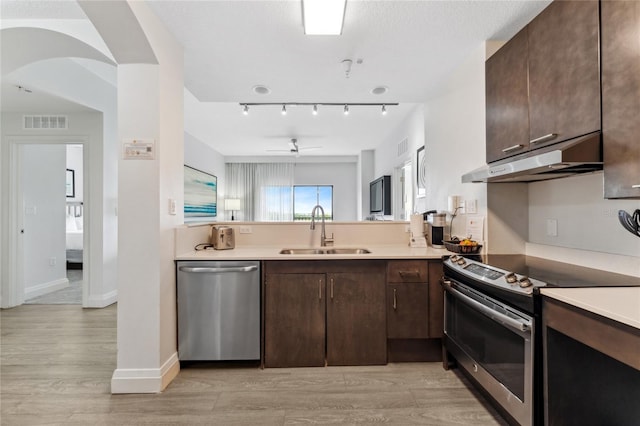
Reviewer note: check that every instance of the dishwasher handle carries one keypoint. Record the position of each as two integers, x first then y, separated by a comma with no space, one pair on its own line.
223,270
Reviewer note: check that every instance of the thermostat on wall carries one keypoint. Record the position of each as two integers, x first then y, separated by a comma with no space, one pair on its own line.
138,149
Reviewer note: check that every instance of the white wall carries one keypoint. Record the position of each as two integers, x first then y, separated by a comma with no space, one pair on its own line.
343,177
585,219
388,157
455,137
201,156
43,198
100,213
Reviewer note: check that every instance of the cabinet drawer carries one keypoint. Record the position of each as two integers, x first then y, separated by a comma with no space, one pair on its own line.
407,271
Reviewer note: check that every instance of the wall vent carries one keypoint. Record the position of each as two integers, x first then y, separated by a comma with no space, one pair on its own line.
403,147
42,122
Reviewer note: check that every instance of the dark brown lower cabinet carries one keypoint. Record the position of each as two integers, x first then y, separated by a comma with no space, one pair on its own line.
356,325
324,310
407,316
294,335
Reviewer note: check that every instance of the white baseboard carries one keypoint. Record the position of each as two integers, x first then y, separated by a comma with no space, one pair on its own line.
102,300
145,380
45,288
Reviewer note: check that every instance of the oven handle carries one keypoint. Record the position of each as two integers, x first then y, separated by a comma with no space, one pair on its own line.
497,316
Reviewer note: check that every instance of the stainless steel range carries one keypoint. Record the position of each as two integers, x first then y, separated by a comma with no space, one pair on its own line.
493,320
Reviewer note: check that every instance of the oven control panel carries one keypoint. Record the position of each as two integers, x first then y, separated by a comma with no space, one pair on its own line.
494,276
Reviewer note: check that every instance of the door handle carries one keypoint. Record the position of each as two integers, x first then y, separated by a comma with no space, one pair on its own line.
331,288
320,289
395,300
512,148
543,138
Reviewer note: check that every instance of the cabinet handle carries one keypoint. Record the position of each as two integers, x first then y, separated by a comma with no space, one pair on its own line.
513,148
635,186
331,288
320,289
544,138
395,299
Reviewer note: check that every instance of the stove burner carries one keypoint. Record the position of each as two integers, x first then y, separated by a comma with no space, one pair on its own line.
511,278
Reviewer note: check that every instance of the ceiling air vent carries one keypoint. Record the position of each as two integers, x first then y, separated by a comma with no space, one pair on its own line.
403,147
42,122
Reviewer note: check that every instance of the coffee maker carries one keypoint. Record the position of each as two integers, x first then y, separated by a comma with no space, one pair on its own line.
436,223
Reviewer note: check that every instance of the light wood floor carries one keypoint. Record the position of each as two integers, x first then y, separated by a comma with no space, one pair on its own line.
57,362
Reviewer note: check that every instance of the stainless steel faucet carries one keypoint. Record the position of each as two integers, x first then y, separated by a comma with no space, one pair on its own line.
323,237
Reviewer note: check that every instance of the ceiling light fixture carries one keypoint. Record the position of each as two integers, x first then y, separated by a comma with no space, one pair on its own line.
323,17
345,106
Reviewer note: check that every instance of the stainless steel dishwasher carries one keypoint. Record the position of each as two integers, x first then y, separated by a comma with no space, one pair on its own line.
218,310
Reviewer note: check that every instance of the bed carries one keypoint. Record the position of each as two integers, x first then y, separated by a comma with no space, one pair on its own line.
74,235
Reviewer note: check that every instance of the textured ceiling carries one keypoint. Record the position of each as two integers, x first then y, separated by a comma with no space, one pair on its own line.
231,46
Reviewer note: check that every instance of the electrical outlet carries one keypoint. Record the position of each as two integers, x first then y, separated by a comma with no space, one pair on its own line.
552,228
246,230
52,261
471,206
172,206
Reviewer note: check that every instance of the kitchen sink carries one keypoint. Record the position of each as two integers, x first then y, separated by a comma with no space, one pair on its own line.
348,251
325,251
302,251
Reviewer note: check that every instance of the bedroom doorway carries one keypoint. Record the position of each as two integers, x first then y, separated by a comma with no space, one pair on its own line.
51,243
67,292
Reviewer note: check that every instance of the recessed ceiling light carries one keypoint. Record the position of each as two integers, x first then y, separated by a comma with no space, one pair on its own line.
380,90
261,90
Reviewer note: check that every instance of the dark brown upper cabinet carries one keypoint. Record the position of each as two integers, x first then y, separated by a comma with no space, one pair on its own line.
564,72
621,98
543,86
507,99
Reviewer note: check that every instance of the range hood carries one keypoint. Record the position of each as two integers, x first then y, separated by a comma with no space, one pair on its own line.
579,155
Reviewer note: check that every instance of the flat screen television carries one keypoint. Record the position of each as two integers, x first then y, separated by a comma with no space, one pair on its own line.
200,194
380,195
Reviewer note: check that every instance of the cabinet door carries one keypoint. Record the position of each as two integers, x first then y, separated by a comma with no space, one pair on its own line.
507,102
621,98
294,320
564,78
436,300
407,311
356,321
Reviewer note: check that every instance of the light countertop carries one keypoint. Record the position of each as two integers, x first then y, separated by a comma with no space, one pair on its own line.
621,304
394,251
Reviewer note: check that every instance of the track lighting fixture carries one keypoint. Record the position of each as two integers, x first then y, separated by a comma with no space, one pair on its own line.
346,107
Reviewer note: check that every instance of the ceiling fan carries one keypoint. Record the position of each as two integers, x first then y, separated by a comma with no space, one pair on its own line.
295,149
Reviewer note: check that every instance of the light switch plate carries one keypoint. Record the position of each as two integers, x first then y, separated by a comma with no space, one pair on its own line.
552,228
246,230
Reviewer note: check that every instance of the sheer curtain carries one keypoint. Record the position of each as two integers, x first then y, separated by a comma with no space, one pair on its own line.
264,190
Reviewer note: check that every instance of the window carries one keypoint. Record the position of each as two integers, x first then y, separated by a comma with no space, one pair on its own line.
305,197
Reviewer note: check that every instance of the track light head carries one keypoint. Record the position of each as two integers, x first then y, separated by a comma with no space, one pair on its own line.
315,109
346,109
245,110
284,109
384,109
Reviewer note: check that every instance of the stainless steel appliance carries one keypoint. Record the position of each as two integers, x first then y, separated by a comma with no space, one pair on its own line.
218,310
493,321
222,237
436,224
579,155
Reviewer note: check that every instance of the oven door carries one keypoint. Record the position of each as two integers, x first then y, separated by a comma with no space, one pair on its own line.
493,343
